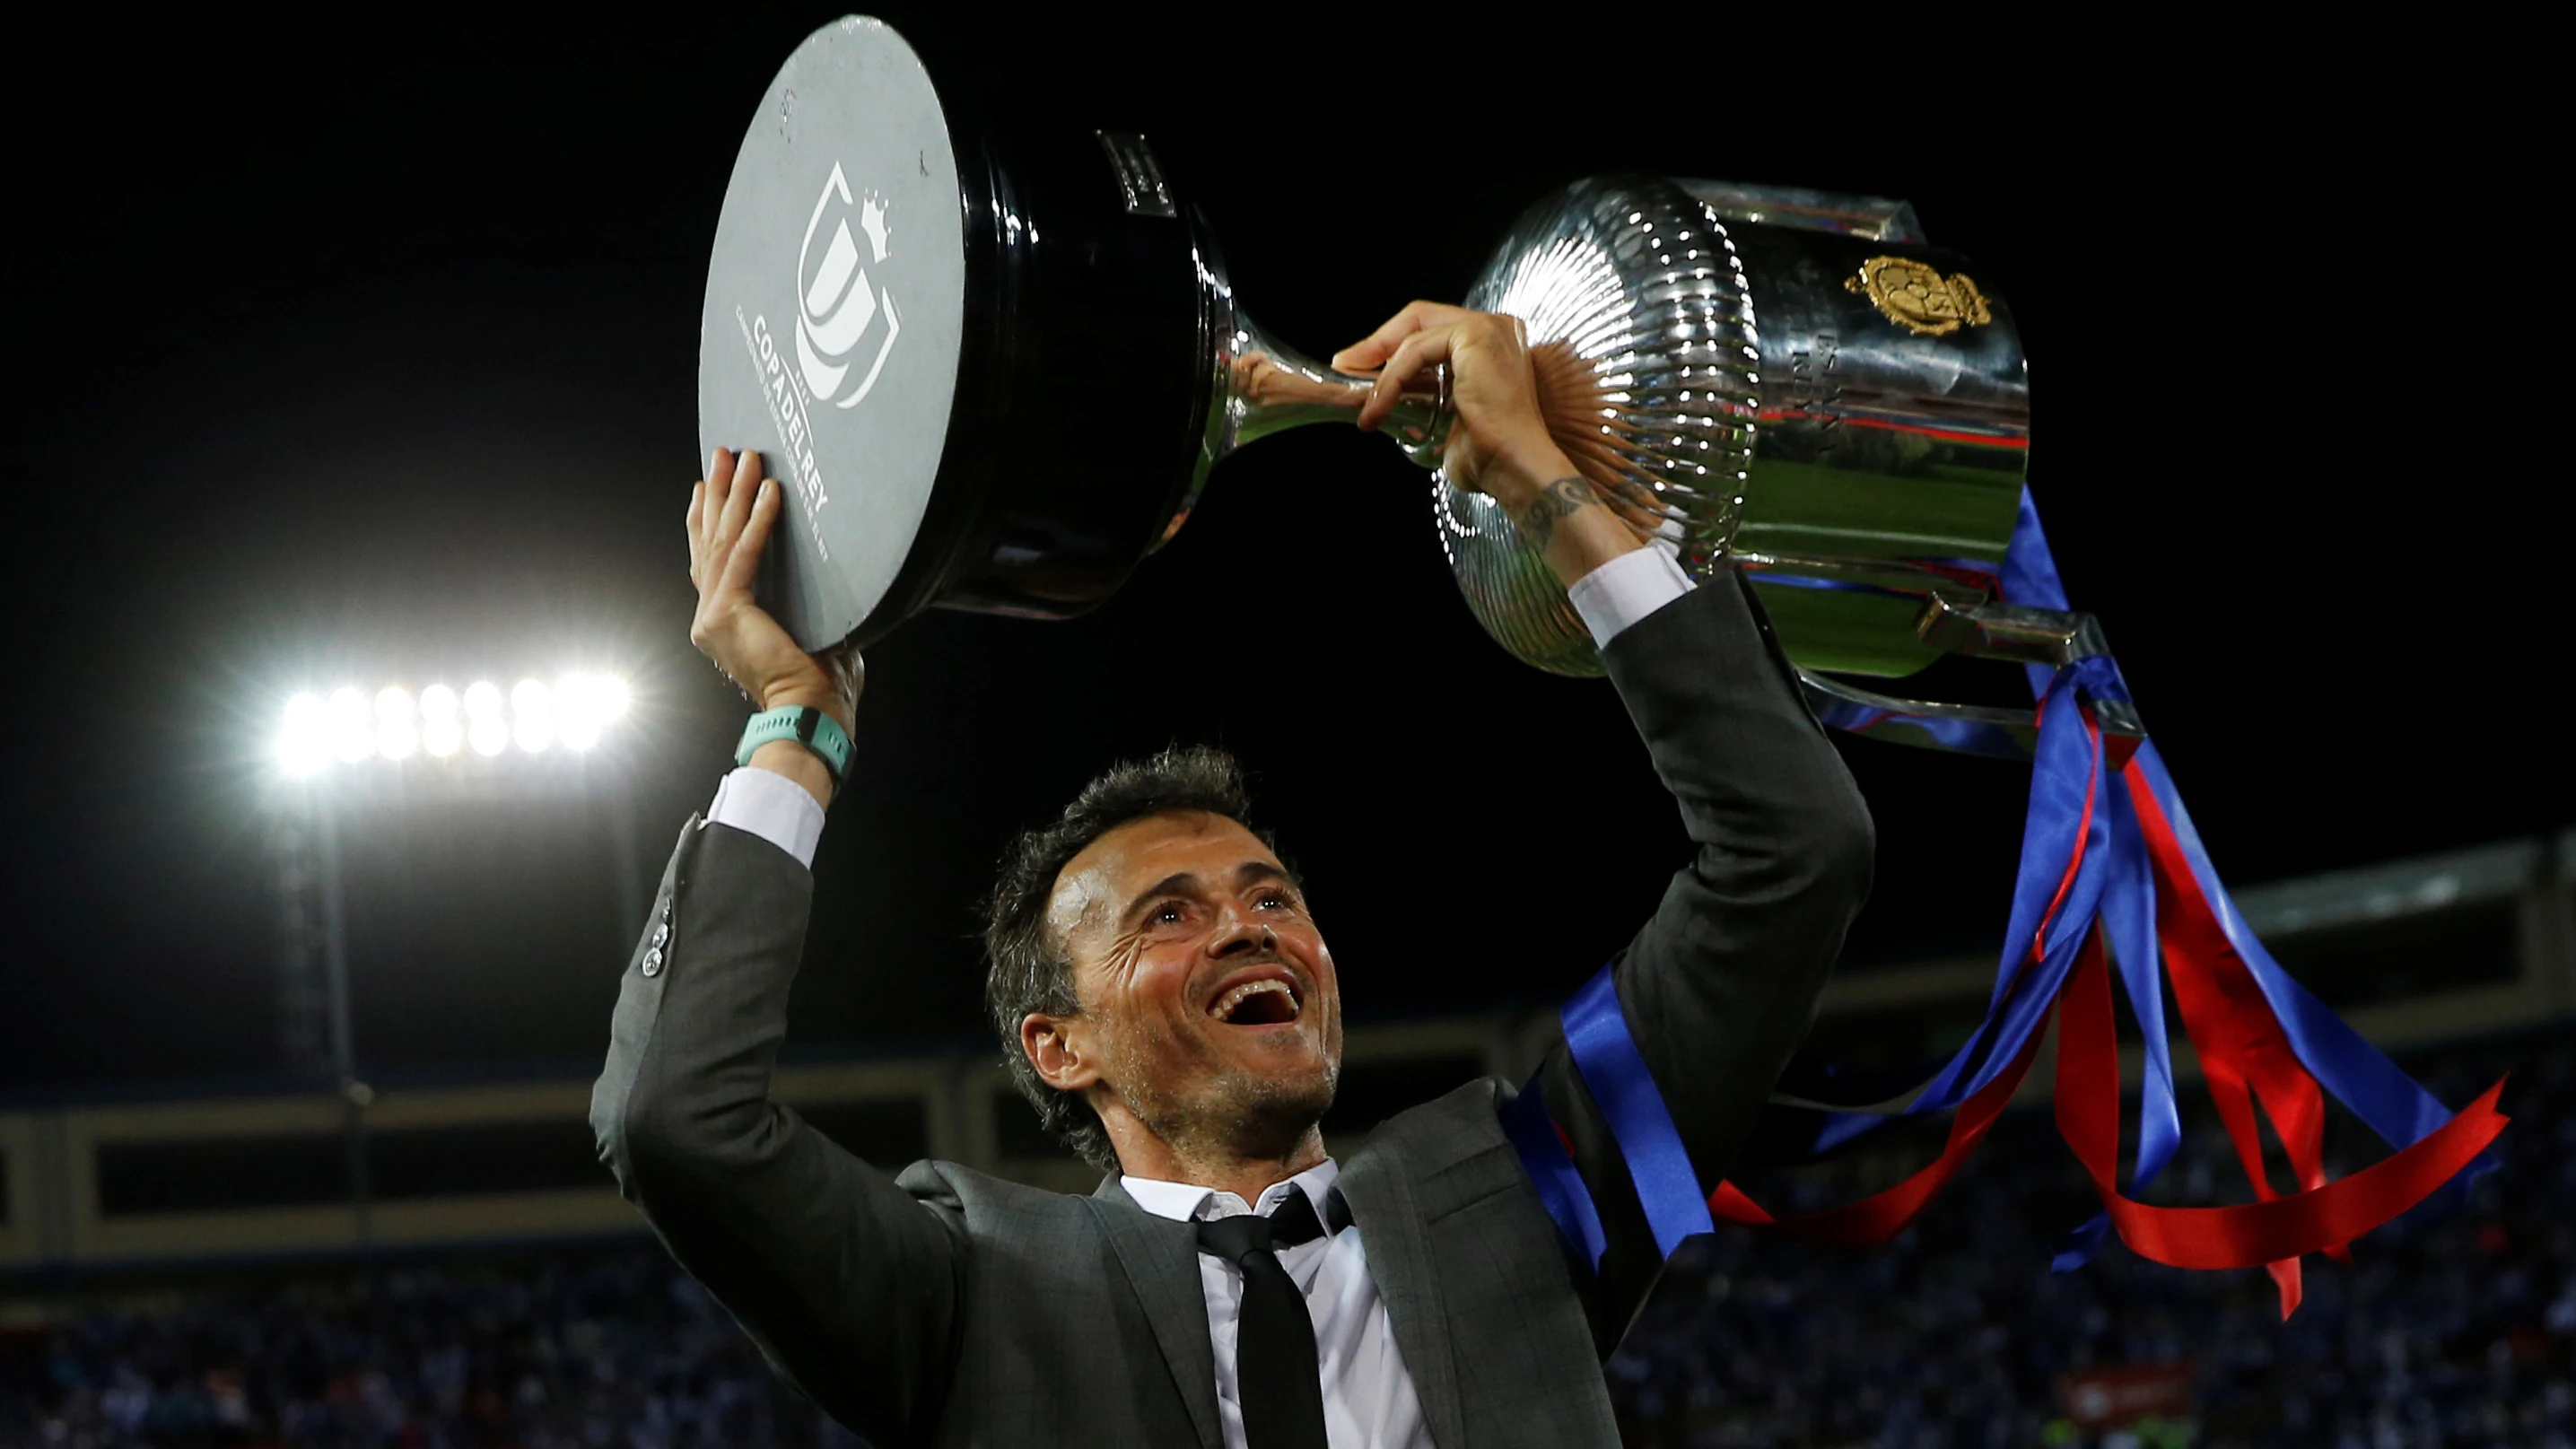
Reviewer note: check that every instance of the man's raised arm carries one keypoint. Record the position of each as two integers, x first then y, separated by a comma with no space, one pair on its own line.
1720,986
847,1281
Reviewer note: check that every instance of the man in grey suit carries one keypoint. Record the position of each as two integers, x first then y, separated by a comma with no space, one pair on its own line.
1170,1007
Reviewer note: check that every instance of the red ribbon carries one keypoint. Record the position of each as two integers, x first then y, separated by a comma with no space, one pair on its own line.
2278,1229
2242,1050
1883,1214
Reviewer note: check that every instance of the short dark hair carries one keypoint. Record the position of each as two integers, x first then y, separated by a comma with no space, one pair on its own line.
1027,969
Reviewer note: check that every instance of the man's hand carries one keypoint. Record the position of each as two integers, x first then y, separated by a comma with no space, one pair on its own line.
730,518
1498,439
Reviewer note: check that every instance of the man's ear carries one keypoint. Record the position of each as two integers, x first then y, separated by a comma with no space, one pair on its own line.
1058,1048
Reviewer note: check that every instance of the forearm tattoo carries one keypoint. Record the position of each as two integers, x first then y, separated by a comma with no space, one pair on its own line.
1538,518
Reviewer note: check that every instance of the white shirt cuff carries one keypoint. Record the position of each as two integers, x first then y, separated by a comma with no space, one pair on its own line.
771,806
1627,589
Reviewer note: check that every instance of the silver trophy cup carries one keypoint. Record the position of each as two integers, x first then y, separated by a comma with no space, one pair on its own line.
903,296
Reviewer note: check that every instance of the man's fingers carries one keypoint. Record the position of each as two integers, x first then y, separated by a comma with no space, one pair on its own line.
697,521
719,482
1372,351
1411,356
737,503
743,565
1364,355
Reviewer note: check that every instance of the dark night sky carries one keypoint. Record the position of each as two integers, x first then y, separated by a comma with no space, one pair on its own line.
367,354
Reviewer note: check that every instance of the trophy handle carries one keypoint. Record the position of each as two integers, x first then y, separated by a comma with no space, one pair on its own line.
2047,637
1268,387
1258,386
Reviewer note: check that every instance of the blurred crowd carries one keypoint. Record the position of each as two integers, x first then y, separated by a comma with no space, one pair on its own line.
607,1347
2455,1327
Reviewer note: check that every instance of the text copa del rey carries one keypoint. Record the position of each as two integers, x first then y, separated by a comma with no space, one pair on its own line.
785,394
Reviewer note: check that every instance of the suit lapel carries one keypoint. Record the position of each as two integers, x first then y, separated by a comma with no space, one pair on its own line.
1161,1258
1399,1258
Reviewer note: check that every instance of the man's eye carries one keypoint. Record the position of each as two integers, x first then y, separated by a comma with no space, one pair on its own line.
1275,900
1166,914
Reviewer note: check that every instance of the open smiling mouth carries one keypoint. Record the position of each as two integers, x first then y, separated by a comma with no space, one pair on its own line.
1269,1001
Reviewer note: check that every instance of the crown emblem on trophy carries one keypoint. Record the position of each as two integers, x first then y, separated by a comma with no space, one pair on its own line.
1916,297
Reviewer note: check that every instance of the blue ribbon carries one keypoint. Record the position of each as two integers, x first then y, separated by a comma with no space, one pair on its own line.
1963,736
2129,919
2066,768
2030,579
1596,1033
1552,1172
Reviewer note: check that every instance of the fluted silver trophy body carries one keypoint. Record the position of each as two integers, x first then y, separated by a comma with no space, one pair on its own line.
1795,384
1761,394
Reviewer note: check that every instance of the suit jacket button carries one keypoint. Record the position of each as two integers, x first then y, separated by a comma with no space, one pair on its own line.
661,933
653,962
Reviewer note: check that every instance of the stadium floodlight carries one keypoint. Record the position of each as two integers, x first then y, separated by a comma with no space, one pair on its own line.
584,705
532,716
305,746
349,725
398,740
440,732
485,727
397,728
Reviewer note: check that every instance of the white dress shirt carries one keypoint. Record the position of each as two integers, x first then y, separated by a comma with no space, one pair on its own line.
1369,1401
1369,1398
1609,599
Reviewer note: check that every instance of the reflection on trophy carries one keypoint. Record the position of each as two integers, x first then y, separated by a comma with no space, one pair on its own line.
903,297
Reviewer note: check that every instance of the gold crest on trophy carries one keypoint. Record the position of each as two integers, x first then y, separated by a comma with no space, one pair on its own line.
1918,298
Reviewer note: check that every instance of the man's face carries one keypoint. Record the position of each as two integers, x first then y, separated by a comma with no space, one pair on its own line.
1209,1004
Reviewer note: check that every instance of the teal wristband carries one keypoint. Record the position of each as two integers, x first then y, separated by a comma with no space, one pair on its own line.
807,726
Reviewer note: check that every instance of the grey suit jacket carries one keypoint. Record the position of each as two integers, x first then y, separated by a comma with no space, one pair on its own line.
946,1307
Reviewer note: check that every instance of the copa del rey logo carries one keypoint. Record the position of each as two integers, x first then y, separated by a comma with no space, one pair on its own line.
839,309
838,304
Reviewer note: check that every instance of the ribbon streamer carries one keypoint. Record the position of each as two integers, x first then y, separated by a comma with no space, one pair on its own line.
2108,854
1549,1160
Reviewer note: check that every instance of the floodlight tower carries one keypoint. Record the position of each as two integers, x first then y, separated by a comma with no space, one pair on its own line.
346,742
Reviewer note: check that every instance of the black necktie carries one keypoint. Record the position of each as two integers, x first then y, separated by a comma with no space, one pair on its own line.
1274,1349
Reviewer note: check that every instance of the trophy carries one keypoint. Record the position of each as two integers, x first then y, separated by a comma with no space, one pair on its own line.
995,367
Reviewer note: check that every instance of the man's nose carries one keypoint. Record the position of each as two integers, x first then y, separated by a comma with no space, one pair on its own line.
1239,931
